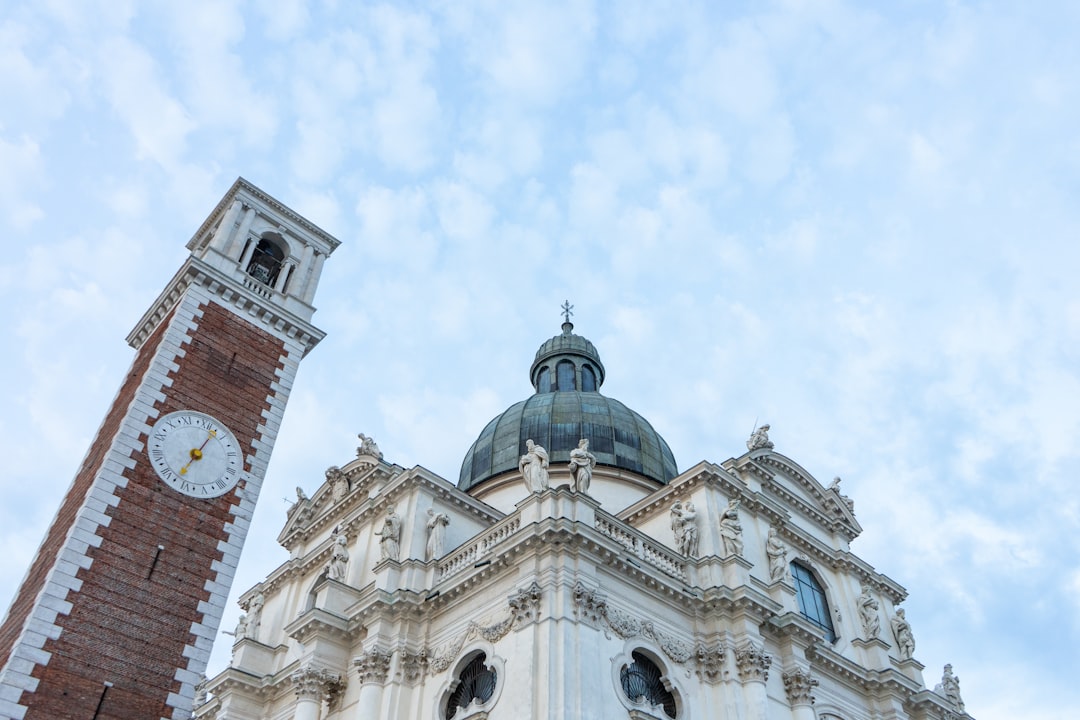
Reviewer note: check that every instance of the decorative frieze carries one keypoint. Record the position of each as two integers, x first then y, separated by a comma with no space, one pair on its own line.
591,606
753,663
799,687
373,666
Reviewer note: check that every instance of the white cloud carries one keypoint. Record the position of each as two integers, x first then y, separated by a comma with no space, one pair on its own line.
21,169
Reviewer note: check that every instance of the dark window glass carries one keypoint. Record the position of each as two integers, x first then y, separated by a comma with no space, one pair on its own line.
588,379
476,683
543,381
812,602
565,371
642,683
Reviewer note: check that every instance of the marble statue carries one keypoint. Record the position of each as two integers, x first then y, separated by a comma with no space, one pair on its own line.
582,463
835,487
731,528
684,525
368,447
200,692
905,641
868,613
339,559
436,528
339,484
534,467
254,618
759,438
950,686
776,551
390,535
241,631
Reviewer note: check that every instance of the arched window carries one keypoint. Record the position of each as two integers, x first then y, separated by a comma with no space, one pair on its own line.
811,597
565,372
643,684
266,262
588,379
476,685
543,380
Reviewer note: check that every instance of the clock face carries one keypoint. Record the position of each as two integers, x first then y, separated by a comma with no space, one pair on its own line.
194,454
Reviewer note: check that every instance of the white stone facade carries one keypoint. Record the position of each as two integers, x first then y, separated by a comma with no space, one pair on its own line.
562,594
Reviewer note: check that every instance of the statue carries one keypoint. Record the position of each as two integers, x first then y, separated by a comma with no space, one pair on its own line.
868,613
390,535
339,559
533,466
731,528
368,447
582,463
950,686
776,551
835,487
436,528
200,692
759,438
339,484
684,525
241,631
905,641
254,618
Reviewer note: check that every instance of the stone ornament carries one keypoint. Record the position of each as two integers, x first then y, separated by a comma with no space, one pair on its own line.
592,606
525,605
710,663
316,684
339,484
799,687
339,558
373,666
390,535
835,487
752,662
533,466
582,463
950,688
254,616
412,665
368,448
905,641
436,530
201,691
759,438
868,614
684,526
776,550
731,529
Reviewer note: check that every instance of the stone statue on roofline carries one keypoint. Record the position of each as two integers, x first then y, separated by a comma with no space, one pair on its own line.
868,613
436,528
905,641
339,558
534,467
950,688
339,484
390,535
759,438
582,463
368,448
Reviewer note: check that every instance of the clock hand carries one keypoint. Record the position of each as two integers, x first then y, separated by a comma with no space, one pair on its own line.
196,453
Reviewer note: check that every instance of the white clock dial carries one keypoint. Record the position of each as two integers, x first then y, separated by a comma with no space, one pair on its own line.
195,454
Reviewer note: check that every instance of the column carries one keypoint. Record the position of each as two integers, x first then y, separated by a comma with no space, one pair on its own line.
753,665
223,236
238,240
313,278
372,669
312,686
799,687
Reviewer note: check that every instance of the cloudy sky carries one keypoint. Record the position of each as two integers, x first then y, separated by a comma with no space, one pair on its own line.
855,221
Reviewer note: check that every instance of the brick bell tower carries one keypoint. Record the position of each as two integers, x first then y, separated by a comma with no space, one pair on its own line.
119,609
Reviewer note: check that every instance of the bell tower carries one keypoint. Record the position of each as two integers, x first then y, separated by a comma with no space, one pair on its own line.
118,611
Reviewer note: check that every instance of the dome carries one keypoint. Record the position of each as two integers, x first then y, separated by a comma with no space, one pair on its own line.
566,407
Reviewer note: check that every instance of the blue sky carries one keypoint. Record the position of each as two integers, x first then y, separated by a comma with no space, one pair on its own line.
855,221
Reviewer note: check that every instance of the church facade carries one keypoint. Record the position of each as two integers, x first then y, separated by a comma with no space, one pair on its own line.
573,572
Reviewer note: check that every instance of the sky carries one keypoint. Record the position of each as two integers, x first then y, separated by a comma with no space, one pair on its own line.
857,222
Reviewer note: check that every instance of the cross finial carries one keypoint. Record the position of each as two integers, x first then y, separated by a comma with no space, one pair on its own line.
567,311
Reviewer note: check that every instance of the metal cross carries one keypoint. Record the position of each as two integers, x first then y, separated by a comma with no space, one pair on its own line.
567,310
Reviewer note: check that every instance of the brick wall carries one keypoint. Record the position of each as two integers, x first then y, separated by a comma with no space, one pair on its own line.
129,626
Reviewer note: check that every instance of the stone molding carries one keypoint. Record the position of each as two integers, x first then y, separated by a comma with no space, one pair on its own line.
799,687
592,606
753,663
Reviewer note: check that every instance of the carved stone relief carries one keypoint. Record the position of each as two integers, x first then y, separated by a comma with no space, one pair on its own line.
753,663
868,614
412,665
710,663
525,605
905,641
592,607
373,666
316,684
799,687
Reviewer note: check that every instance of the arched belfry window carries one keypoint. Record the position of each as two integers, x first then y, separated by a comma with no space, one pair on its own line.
266,262
565,372
588,379
812,602
643,684
475,686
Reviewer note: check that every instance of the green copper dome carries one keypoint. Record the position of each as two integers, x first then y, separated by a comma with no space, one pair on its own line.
566,407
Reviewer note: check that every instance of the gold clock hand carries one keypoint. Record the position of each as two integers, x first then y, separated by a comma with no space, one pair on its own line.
196,453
